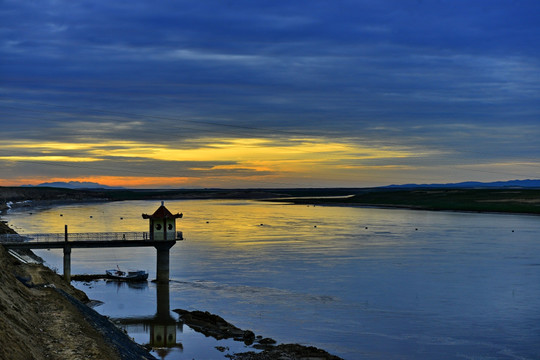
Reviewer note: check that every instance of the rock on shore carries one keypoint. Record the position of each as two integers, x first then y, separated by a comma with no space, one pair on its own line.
286,352
215,326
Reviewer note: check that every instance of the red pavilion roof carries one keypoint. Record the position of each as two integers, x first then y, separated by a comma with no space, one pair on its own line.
162,213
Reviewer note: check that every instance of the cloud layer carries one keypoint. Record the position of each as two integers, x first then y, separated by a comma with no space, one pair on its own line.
269,93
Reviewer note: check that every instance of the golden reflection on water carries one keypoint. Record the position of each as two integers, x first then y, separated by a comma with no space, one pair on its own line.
229,223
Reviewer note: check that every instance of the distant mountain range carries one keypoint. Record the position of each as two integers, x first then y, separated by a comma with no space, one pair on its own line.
75,185
467,184
475,184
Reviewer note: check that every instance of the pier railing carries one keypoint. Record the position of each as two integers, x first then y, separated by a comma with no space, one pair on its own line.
73,237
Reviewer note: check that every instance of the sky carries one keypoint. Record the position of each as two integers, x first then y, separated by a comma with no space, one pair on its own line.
256,93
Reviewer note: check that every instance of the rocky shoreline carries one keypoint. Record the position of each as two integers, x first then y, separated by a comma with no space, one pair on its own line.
215,326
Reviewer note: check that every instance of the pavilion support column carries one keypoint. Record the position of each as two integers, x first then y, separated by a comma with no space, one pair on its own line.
163,261
163,301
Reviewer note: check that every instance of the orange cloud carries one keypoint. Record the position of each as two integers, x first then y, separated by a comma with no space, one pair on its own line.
123,181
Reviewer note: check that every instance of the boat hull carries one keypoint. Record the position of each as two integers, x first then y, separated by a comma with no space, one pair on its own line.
139,275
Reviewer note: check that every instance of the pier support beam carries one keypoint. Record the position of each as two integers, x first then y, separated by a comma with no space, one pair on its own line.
162,262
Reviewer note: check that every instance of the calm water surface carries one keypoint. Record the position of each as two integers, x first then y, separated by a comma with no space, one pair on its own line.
361,283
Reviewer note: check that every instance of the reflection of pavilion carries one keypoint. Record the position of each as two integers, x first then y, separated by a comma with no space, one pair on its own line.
162,325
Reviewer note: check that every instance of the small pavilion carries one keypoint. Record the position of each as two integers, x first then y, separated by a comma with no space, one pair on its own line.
163,230
163,224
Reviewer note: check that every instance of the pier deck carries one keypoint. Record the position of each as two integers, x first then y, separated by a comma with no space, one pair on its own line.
85,244
67,242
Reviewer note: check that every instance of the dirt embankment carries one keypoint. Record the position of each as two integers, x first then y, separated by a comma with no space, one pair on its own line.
37,322
43,317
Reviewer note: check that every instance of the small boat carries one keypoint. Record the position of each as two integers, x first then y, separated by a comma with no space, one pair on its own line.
131,275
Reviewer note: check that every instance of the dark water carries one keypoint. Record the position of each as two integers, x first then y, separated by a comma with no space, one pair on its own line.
360,283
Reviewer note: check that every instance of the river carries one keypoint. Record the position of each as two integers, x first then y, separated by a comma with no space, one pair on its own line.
361,283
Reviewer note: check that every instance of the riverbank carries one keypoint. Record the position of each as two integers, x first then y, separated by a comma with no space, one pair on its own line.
44,317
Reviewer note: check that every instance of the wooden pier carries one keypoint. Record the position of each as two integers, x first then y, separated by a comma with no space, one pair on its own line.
67,242
162,235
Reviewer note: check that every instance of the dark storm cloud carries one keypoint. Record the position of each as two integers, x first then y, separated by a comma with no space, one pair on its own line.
246,57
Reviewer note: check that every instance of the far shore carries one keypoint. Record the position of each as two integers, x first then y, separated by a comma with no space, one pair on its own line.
496,200
510,201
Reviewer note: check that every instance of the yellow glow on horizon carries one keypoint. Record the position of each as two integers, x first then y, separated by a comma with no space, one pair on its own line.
243,166
244,150
223,162
49,158
251,149
20,144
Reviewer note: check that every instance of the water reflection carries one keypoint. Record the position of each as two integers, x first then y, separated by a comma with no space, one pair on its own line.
138,285
161,327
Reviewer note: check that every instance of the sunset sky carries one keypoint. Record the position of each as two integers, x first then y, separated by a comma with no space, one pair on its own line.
354,93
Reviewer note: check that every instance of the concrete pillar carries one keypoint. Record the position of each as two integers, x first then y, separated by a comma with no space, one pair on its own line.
162,262
163,301
67,263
